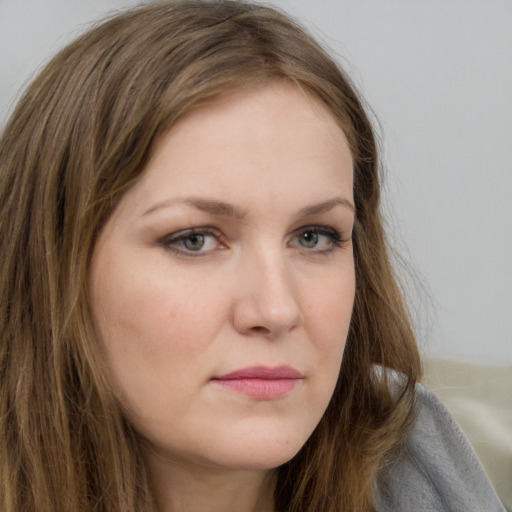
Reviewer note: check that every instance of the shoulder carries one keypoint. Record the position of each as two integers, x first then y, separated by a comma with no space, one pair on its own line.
436,470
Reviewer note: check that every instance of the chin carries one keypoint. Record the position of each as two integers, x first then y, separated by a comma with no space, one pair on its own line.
252,444
256,462
260,452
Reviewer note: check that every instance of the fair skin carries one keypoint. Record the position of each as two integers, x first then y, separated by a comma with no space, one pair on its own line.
265,281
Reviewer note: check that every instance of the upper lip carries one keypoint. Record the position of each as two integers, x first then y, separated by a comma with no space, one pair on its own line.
262,372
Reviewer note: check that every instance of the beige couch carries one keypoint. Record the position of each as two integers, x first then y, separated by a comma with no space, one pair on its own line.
480,399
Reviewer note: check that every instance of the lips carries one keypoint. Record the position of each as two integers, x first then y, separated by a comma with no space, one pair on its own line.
261,382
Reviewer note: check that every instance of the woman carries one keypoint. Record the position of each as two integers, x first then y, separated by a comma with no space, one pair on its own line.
198,309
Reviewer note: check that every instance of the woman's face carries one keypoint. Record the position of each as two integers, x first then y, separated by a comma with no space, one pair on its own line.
222,285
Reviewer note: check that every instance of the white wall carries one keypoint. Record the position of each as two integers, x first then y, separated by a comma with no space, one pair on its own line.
438,75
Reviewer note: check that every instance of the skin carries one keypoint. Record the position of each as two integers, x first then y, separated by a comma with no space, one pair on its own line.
261,281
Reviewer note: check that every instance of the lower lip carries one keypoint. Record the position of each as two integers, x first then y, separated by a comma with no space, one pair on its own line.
261,389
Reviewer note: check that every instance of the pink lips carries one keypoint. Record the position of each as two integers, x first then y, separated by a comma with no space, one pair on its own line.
261,382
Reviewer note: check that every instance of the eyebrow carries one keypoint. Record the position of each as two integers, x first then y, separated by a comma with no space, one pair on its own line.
325,206
221,208
211,206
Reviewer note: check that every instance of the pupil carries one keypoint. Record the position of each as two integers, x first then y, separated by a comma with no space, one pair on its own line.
194,242
310,239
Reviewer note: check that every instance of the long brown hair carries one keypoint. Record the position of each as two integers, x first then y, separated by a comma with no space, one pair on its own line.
78,139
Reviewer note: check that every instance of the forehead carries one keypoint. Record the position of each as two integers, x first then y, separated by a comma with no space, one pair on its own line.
240,104
275,139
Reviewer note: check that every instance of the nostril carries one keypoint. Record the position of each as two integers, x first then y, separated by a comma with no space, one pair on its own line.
260,330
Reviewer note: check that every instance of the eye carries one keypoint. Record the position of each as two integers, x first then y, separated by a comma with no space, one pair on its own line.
318,238
192,242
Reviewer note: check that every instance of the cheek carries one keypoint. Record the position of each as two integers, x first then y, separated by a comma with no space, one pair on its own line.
146,311
153,333
329,313
155,339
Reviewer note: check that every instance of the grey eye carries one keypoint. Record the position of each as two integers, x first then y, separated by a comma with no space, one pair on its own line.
317,239
193,242
308,239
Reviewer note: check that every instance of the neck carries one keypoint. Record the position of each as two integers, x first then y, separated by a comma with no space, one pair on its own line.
180,487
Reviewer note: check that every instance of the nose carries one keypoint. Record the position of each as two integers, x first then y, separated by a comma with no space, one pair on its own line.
267,302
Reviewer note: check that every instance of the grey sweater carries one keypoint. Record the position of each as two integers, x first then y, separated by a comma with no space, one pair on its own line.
437,470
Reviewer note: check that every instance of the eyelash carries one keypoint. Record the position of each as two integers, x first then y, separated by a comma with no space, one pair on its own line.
335,239
170,242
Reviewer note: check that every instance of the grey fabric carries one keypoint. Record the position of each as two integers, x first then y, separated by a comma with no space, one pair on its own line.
437,469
